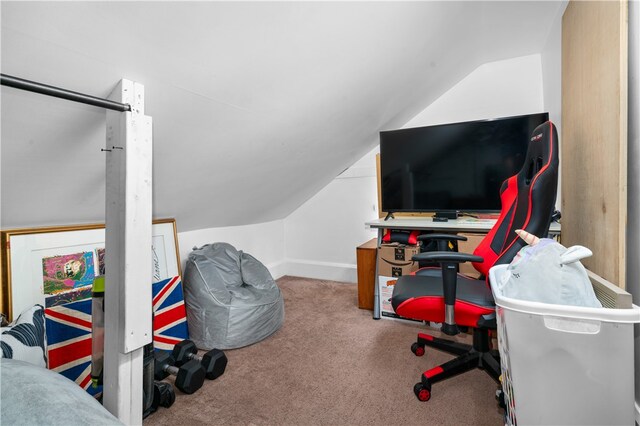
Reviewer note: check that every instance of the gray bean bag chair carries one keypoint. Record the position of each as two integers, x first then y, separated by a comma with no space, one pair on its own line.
231,298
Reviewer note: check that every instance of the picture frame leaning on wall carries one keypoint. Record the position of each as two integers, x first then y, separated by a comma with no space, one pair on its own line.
55,265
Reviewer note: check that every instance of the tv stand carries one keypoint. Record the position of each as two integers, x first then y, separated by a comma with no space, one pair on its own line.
445,215
389,216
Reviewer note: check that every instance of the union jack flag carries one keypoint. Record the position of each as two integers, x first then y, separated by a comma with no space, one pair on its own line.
170,316
68,329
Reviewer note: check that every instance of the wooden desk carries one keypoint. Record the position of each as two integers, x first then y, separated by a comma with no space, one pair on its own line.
452,225
469,225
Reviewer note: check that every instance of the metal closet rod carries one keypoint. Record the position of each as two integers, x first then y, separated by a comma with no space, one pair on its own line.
45,89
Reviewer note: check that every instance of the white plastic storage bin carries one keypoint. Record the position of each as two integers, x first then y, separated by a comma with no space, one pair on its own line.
565,365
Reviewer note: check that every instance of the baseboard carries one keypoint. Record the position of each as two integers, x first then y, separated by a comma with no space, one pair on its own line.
277,269
343,272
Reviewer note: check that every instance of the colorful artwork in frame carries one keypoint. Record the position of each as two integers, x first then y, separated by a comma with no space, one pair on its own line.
66,272
100,260
68,296
39,264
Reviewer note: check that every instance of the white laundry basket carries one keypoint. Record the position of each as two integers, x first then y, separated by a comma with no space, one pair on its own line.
565,365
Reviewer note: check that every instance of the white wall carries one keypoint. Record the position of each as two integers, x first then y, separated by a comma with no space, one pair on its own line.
264,241
551,57
633,180
495,89
321,236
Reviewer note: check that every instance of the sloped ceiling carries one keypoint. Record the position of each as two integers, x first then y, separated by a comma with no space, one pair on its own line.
256,106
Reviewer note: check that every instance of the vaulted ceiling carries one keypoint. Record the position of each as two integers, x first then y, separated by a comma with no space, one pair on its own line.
256,106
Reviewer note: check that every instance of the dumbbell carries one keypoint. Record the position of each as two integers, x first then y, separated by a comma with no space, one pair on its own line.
189,377
163,395
214,362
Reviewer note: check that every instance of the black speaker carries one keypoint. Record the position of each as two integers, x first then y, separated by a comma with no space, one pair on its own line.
445,214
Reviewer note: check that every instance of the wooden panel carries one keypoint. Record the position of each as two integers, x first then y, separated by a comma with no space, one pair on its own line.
366,262
5,288
380,212
594,133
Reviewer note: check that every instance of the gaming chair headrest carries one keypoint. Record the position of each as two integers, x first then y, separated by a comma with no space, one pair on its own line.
542,153
528,199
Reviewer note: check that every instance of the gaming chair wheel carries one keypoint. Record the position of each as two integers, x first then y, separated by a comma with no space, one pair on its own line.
422,392
417,349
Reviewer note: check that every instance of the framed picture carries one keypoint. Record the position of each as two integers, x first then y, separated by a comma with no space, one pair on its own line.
56,265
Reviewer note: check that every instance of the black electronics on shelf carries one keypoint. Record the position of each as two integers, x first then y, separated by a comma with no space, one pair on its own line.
452,168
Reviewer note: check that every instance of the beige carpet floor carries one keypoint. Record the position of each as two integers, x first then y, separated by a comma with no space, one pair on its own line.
331,364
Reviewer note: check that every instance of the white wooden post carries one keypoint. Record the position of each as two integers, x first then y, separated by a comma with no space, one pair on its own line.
128,310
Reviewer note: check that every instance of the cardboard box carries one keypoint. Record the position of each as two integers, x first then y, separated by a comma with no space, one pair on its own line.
394,260
386,291
469,246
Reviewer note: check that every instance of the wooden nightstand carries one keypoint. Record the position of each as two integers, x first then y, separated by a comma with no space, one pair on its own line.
366,263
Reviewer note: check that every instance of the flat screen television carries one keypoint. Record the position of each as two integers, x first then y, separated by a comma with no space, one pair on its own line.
453,167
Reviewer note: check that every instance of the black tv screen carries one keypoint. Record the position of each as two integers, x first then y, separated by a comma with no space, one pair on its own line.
458,166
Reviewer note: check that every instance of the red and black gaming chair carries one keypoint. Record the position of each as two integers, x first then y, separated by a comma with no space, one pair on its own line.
450,298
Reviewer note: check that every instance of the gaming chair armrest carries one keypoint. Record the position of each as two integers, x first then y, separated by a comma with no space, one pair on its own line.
449,261
446,256
448,237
